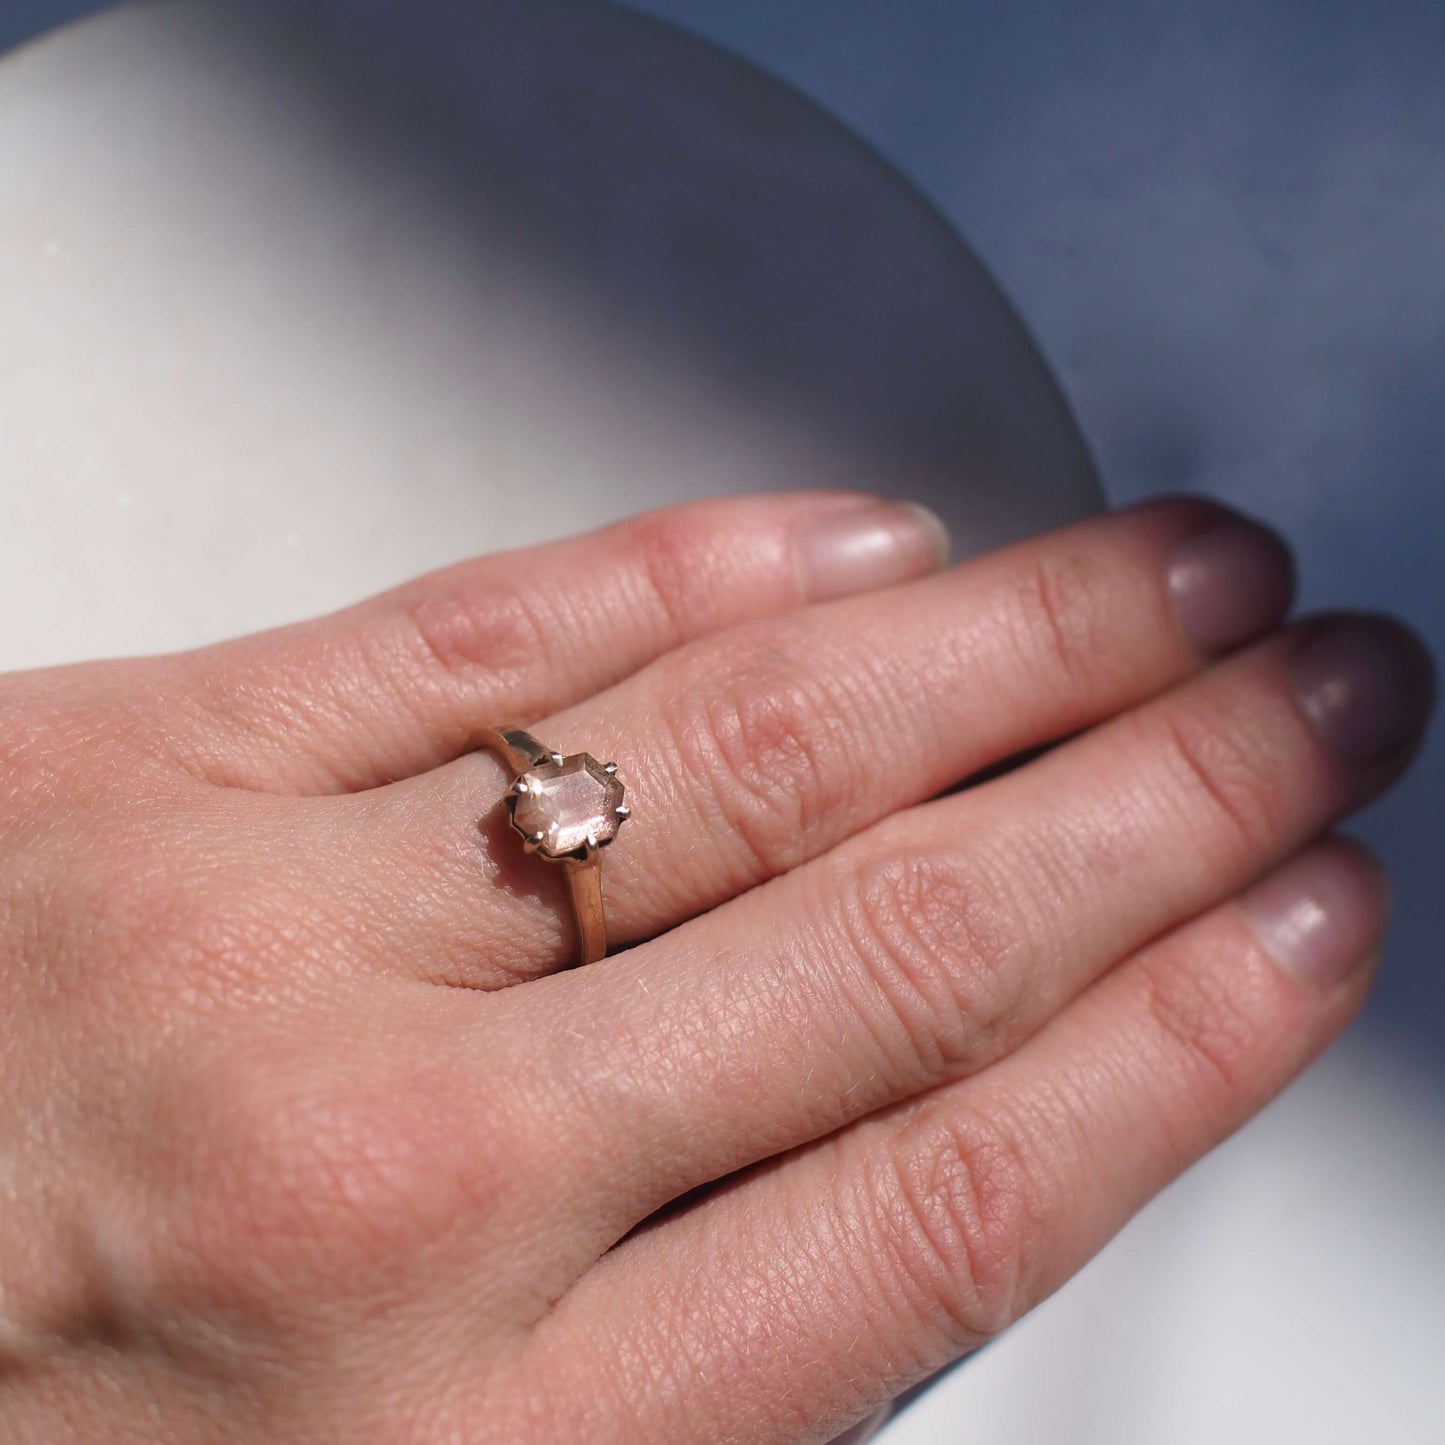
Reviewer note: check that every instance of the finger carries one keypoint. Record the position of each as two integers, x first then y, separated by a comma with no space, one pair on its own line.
789,1302
754,750
396,685
940,940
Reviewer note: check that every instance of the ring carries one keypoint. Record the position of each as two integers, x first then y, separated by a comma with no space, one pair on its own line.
566,811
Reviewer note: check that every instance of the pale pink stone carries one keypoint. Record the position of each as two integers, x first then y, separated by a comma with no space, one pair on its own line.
569,806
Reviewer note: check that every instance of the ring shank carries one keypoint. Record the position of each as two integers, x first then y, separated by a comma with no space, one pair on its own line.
584,890
521,752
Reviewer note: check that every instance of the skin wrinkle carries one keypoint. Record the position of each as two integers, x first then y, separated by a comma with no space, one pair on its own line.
957,1200
1077,801
980,935
1224,771
680,572
649,891
771,731
260,712
751,750
727,1184
1055,600
467,632
934,924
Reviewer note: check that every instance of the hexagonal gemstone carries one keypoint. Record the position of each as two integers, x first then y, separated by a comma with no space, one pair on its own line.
570,806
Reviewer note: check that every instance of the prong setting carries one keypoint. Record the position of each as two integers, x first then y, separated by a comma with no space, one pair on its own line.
567,808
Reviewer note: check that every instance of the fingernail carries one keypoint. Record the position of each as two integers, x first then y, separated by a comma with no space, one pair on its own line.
1230,583
1366,683
1320,916
866,547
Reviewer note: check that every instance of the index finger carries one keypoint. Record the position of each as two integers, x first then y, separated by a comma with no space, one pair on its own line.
394,686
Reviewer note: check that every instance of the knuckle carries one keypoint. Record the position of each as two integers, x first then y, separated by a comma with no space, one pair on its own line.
931,934
676,556
183,936
461,628
50,741
299,1181
83,729
962,1212
1058,611
1206,1019
185,922
1220,771
760,740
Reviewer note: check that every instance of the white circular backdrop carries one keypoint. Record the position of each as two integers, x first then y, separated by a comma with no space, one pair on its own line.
289,313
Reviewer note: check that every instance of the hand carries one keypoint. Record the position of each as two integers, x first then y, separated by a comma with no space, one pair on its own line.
307,1135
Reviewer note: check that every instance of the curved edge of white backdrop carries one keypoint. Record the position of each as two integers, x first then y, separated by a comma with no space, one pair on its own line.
287,316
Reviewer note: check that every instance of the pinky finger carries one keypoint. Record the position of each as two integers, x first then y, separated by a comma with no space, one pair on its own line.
799,1296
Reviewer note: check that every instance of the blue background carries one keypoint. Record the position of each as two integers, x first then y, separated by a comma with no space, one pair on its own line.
1225,223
